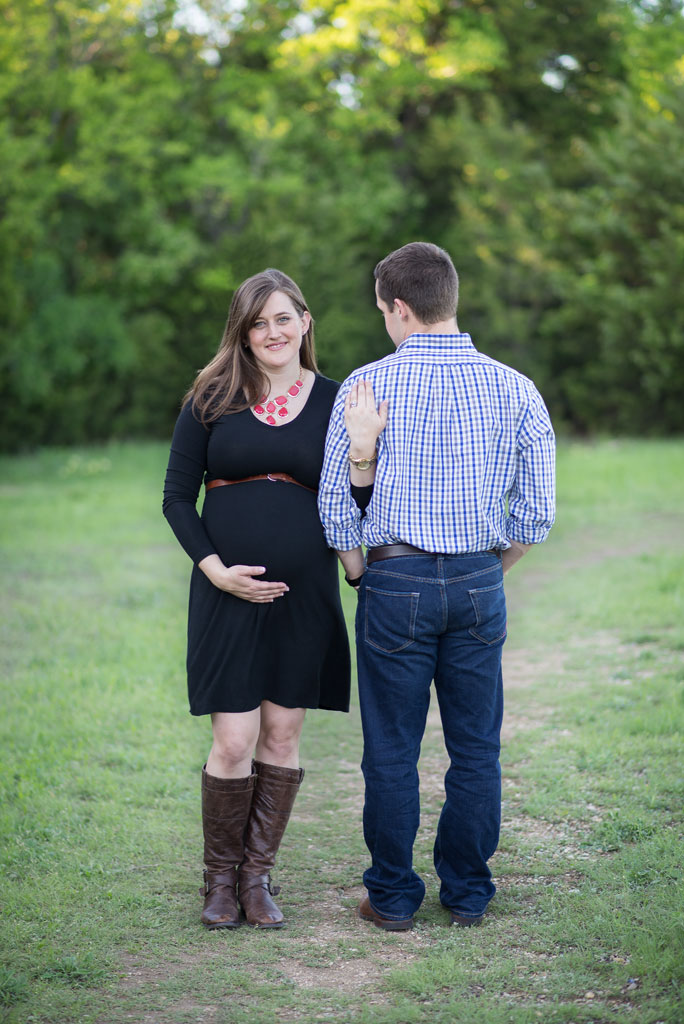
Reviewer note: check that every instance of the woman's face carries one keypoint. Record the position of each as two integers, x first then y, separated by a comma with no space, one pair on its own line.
275,337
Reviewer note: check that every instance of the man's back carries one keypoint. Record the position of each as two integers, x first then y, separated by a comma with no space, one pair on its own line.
464,436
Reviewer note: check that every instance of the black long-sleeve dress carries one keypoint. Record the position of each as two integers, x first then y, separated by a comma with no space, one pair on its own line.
293,651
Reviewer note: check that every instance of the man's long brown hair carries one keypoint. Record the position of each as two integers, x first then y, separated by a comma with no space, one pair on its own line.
232,381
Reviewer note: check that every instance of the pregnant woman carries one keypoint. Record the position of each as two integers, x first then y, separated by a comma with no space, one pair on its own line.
266,636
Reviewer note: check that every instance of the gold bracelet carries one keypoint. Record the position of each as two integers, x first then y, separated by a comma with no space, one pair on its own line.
363,463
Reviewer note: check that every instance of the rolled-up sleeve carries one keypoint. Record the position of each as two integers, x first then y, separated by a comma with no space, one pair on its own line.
340,515
532,498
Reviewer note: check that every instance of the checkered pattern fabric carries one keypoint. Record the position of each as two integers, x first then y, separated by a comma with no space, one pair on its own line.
465,463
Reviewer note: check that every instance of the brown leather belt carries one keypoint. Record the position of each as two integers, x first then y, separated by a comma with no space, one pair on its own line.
397,550
273,477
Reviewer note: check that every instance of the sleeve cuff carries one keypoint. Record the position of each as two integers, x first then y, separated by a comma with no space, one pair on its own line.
527,533
343,540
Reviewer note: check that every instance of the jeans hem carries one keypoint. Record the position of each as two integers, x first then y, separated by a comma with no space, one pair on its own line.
390,917
464,913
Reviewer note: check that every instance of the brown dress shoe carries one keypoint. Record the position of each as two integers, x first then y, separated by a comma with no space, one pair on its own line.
366,913
464,921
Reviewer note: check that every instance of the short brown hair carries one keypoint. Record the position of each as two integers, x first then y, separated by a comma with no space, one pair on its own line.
423,276
232,381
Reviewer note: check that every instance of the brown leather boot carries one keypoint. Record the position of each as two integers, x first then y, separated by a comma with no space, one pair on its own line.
225,809
274,797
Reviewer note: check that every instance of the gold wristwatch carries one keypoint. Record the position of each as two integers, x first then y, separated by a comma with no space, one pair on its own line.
363,463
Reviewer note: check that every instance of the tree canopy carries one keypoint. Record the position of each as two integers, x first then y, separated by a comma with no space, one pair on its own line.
155,152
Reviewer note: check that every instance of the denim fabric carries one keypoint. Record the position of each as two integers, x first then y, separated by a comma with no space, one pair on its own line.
419,618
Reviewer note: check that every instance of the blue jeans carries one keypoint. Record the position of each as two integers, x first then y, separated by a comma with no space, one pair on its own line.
419,618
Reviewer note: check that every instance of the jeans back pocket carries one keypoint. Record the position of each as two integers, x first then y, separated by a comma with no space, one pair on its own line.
489,605
390,619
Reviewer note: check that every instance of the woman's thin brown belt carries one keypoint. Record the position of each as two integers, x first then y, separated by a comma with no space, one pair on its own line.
273,477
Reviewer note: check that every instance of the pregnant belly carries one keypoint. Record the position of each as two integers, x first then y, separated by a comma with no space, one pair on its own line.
271,524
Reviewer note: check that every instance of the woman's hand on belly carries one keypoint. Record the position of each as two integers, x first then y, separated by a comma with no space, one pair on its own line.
239,580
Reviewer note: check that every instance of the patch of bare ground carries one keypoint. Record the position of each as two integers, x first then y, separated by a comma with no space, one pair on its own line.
345,972
200,1014
135,972
521,671
327,961
569,880
553,840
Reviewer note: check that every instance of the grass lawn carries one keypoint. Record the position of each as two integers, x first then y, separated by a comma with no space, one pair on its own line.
99,804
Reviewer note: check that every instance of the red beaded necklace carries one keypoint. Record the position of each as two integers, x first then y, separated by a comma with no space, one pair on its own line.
279,403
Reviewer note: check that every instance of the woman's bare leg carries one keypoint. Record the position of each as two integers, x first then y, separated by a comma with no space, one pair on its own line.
278,741
235,736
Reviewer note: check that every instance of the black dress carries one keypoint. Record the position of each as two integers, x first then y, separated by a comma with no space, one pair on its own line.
293,651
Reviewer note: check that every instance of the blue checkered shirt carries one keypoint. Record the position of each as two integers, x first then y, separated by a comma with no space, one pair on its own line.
465,463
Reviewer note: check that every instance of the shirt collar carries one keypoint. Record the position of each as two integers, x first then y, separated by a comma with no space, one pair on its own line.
437,344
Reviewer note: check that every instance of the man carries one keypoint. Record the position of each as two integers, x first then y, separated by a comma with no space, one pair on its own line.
463,486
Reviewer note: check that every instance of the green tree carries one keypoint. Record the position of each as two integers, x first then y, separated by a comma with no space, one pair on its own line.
615,342
88,251
152,160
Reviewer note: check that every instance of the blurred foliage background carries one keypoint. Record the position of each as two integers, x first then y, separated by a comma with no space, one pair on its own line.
153,154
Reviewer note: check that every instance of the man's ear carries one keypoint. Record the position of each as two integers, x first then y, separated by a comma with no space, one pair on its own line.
403,310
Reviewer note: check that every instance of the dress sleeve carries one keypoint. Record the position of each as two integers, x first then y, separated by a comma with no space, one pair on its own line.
339,514
362,496
184,476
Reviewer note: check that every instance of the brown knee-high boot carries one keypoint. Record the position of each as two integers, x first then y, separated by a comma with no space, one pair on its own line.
226,805
274,796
